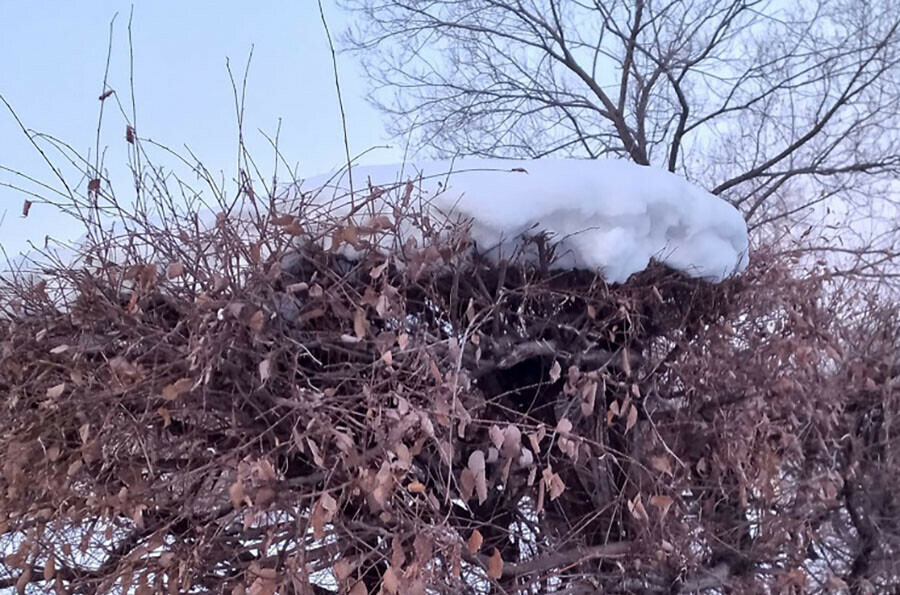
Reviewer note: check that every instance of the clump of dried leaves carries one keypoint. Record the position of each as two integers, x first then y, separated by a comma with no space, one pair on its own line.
281,419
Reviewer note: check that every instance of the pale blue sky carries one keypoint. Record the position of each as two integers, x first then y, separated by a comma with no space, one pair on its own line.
52,58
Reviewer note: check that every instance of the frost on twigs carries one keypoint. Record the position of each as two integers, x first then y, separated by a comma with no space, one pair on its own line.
225,408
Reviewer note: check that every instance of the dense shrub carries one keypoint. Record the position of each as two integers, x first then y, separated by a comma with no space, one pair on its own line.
277,417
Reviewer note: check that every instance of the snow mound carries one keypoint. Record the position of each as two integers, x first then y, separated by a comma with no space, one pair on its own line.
608,215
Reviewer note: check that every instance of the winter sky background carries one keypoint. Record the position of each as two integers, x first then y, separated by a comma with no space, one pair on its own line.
52,60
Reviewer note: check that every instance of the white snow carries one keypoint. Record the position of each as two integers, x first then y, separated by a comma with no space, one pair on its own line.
607,215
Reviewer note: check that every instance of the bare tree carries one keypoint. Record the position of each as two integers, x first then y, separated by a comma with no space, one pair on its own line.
781,107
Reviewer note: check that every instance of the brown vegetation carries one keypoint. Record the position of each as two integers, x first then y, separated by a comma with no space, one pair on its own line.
283,419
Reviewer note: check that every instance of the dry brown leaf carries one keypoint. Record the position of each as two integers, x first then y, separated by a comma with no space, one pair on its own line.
637,510
476,461
477,467
56,390
256,321
26,207
359,589
255,252
50,568
404,456
75,467
282,220
612,413
535,439
466,484
555,371
663,503
263,586
24,581
344,441
475,541
390,581
328,503
632,417
166,559
176,389
175,269
53,453
436,373
626,363
377,271
416,487
661,464
236,493
588,397
265,367
360,324
314,451
495,565
496,435
556,486
342,569
836,583
512,441
318,520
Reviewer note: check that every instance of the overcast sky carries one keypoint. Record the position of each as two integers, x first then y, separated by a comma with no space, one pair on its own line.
52,59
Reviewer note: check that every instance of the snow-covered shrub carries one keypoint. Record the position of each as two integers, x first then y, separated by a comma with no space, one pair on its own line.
215,410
